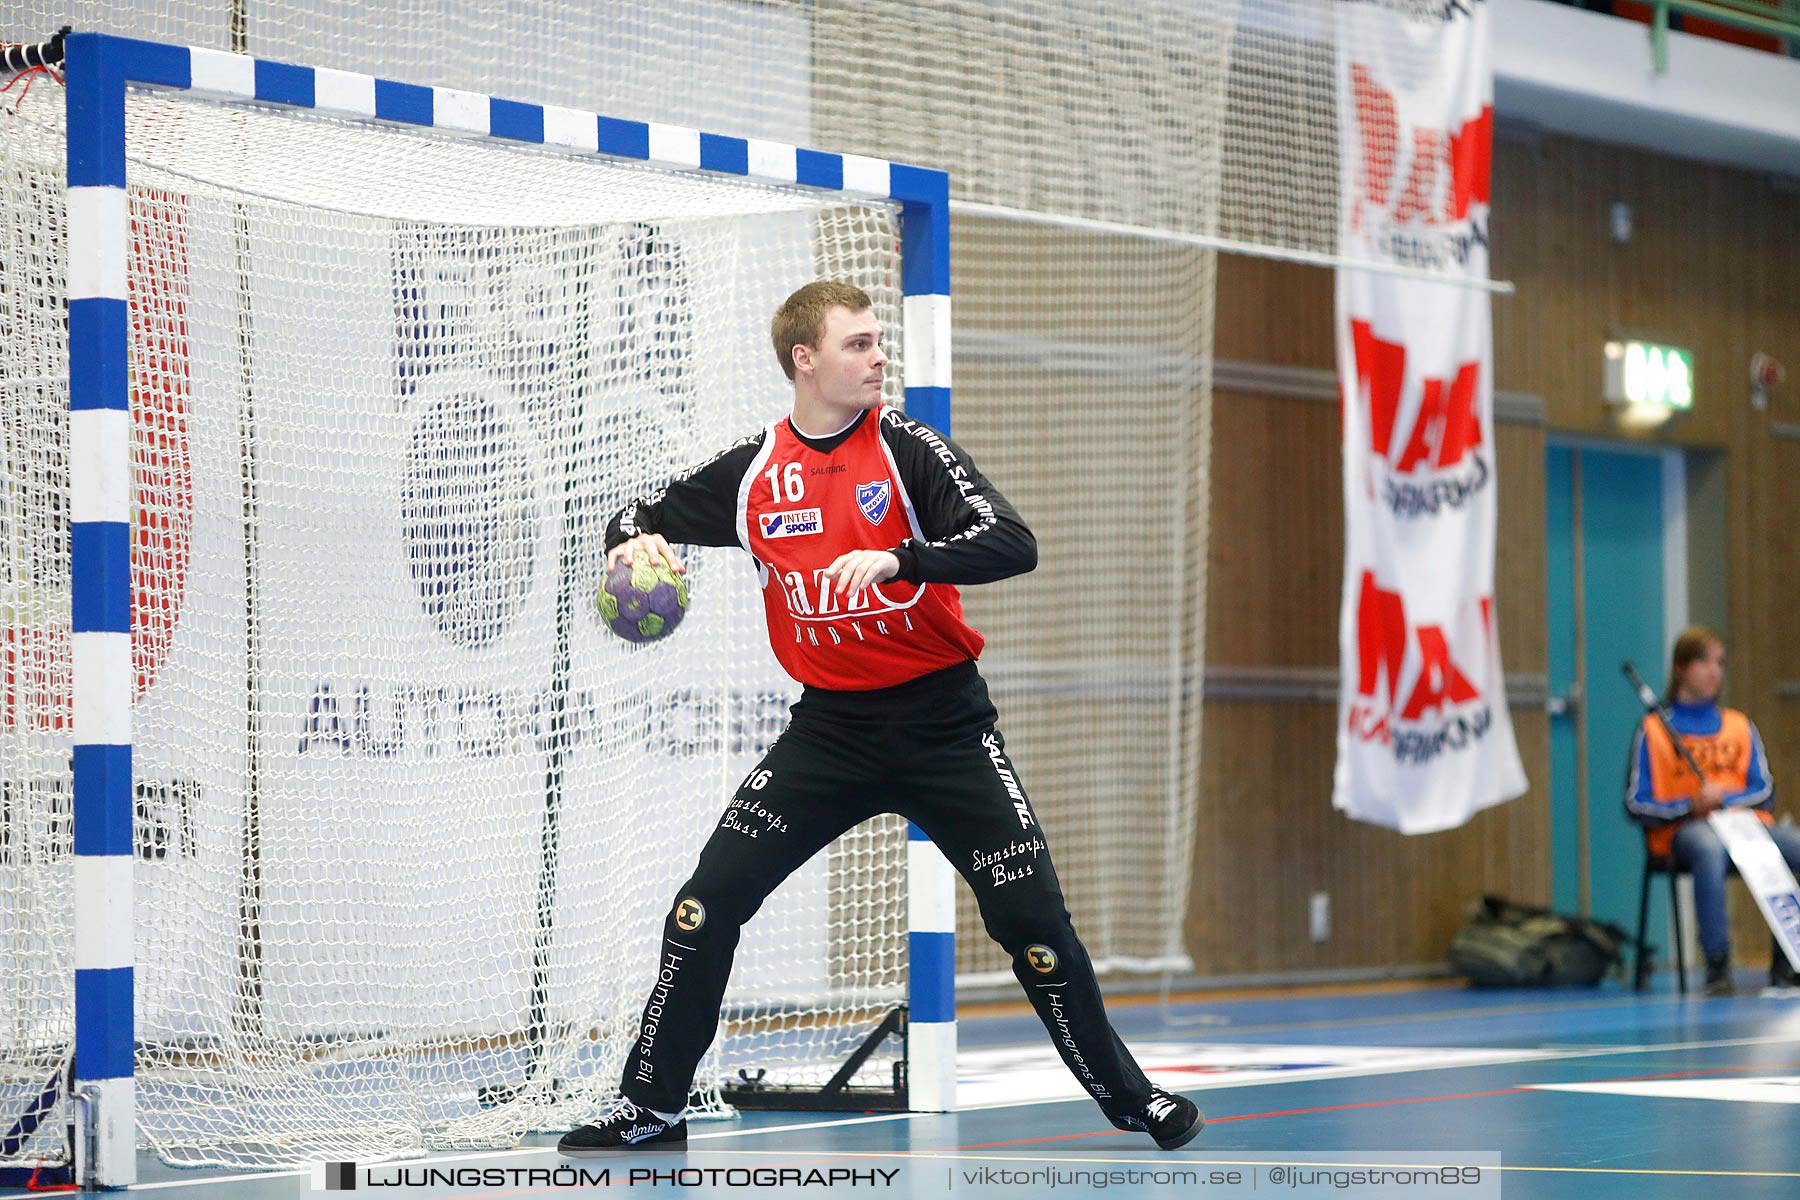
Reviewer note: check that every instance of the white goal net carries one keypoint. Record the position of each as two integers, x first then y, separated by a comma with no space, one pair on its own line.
1098,152
408,816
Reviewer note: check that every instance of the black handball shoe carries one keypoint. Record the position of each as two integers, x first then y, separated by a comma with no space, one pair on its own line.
1781,972
627,1127
1172,1120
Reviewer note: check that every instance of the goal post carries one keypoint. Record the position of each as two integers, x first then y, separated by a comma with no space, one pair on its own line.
310,521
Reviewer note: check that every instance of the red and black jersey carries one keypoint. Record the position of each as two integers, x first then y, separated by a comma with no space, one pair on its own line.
796,503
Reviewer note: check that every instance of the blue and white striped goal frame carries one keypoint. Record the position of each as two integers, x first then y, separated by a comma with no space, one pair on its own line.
99,67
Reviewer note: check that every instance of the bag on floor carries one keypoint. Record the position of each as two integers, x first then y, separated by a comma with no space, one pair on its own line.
1514,945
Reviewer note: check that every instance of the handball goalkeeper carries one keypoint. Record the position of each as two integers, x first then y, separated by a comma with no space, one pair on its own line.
862,523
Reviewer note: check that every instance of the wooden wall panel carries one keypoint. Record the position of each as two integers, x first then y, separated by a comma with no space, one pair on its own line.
1520,593
1713,264
1268,839
1276,564
1267,836
1705,268
1273,312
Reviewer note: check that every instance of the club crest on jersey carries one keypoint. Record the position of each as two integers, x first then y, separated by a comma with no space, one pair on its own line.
796,522
873,498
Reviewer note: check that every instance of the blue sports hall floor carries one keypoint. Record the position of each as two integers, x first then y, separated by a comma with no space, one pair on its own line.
1591,1094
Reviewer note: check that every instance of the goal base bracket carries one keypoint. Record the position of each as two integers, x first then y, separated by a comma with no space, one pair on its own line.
837,1095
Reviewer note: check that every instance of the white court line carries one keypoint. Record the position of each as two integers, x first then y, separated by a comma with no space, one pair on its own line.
1778,1089
1436,1014
490,1155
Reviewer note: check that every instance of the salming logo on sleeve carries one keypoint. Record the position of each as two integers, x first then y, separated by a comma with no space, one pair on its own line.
960,477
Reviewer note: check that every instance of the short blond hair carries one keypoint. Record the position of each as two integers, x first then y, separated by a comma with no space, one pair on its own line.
800,321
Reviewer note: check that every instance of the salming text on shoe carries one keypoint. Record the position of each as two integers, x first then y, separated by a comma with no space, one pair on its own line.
627,1127
1172,1120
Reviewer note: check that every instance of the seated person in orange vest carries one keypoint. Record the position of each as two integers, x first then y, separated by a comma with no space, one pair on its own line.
1662,794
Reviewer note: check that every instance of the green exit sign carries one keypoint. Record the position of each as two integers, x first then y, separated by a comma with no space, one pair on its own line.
1650,376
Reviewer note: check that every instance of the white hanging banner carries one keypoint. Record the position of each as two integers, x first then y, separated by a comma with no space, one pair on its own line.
1765,873
1424,737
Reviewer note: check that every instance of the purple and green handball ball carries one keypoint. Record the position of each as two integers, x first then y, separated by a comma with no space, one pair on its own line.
642,603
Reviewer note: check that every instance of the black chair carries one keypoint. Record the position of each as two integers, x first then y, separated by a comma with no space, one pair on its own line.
1662,864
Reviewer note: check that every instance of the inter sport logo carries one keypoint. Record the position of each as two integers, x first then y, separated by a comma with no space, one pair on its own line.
796,522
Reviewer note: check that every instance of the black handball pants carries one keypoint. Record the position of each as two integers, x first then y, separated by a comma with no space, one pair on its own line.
928,750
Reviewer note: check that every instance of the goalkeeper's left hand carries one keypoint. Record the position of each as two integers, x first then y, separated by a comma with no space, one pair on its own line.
858,569
652,546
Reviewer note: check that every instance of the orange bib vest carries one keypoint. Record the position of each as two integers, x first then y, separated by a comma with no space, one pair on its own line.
1724,756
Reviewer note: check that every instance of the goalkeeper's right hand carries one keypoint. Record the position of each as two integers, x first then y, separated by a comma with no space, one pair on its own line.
652,546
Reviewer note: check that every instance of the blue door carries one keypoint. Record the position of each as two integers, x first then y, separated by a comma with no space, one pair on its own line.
1606,604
